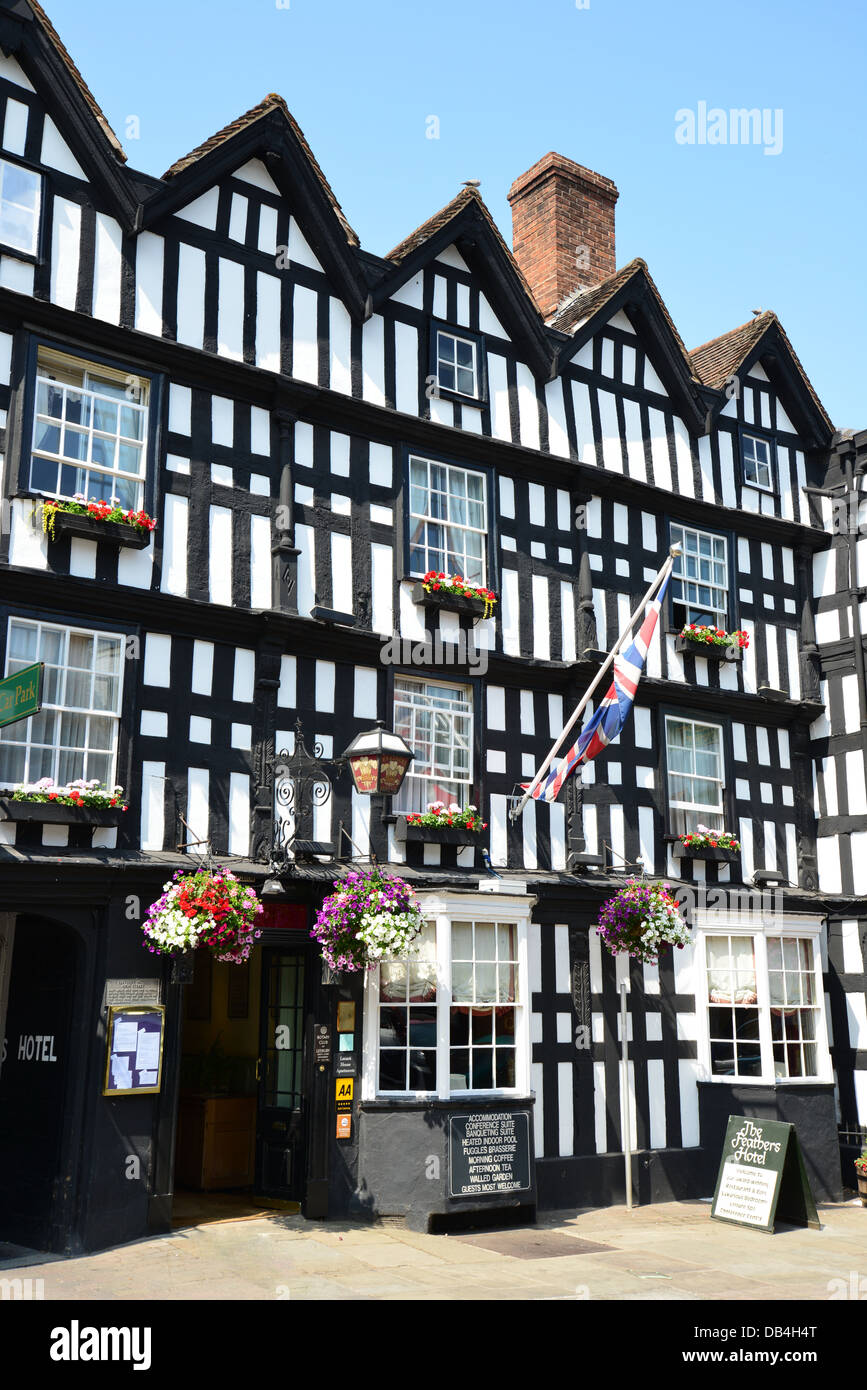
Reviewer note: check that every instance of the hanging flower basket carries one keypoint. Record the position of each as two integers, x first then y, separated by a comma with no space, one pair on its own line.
641,918
209,910
372,916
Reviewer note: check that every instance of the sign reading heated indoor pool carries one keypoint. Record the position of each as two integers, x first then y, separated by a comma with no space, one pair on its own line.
762,1178
489,1152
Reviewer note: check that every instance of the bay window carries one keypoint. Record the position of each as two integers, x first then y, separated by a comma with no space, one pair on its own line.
762,1001
75,734
452,1019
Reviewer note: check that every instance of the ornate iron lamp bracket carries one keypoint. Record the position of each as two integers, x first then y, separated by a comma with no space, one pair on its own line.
302,781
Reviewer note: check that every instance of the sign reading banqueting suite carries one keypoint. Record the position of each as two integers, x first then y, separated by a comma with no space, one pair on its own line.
489,1152
762,1178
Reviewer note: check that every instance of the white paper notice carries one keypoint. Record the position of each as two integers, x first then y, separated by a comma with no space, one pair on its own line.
147,1078
125,1035
147,1053
746,1194
120,1073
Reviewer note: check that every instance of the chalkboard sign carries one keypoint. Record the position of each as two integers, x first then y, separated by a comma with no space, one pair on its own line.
489,1152
134,1059
762,1178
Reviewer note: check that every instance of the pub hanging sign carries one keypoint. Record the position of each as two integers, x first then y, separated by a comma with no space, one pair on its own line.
134,1053
21,694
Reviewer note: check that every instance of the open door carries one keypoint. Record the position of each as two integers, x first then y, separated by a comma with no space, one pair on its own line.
281,1137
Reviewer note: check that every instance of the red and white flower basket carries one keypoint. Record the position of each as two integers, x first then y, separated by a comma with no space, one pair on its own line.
209,910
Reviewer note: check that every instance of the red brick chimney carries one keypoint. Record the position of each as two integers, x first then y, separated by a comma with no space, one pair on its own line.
562,228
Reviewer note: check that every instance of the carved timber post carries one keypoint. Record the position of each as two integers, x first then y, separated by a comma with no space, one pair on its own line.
586,637
268,655
808,649
283,549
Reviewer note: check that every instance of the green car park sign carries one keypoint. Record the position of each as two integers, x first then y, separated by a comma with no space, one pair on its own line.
21,694
762,1178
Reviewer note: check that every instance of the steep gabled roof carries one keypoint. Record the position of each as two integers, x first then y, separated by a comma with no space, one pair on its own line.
272,102
28,34
718,360
63,54
446,215
586,304
632,287
466,221
269,132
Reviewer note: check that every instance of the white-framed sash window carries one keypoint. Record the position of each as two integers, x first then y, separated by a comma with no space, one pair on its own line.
436,719
700,578
453,1020
448,520
75,734
757,465
696,774
457,364
760,1000
90,432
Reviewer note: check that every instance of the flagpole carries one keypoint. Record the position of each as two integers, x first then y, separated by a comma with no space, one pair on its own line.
674,551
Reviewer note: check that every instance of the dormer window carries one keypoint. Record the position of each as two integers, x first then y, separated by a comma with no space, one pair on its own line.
756,461
457,364
20,200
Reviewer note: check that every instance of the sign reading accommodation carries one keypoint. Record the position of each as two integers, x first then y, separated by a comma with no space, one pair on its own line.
21,694
762,1178
489,1152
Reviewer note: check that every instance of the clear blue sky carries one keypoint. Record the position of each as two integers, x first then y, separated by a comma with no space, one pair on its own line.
725,229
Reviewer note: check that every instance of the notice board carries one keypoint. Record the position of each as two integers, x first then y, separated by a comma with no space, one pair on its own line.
489,1151
762,1178
134,1050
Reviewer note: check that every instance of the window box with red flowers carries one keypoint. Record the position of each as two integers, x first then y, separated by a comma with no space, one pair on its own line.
441,825
97,521
719,845
48,803
713,643
454,594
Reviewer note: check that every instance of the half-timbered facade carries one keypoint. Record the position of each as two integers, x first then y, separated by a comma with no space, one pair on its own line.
314,427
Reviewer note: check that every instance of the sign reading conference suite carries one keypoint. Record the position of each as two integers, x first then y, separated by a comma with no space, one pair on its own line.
489,1152
762,1177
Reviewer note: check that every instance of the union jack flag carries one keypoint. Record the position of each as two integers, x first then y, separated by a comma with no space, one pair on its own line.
605,725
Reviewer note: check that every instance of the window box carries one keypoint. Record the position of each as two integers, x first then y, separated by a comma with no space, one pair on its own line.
436,834
89,528
711,651
711,852
449,603
50,813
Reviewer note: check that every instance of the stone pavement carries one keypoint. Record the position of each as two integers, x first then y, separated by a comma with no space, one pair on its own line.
672,1251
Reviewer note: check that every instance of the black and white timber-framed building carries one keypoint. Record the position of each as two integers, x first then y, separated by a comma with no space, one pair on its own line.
296,412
